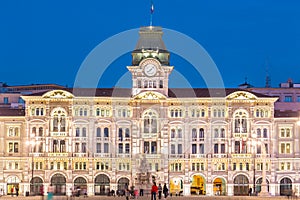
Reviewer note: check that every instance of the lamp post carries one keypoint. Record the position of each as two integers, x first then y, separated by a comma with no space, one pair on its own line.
264,186
31,143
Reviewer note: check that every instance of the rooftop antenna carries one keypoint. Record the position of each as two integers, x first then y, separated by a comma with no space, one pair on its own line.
151,12
268,78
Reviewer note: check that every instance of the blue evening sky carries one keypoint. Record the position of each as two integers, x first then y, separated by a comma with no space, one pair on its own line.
46,41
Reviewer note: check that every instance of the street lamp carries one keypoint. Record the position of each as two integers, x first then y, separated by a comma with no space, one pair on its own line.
264,186
31,143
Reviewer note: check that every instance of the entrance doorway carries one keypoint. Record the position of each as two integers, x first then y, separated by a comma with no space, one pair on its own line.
35,185
102,183
219,187
285,186
198,186
241,185
81,184
58,182
12,184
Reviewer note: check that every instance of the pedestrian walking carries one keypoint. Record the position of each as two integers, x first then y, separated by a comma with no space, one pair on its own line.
159,191
142,189
154,190
165,190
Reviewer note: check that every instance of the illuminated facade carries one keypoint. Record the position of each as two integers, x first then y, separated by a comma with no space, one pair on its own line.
199,141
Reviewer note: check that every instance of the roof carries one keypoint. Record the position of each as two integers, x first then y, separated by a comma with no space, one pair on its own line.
151,38
11,112
172,93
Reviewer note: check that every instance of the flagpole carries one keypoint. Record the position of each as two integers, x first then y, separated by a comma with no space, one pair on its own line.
151,12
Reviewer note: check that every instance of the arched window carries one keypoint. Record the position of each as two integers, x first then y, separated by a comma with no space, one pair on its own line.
77,132
240,122
127,133
194,134
173,133
150,122
180,133
41,131
258,132
201,133
98,134
106,132
265,133
58,120
84,132
34,130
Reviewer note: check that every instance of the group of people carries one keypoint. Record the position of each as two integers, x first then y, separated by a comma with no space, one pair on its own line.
158,190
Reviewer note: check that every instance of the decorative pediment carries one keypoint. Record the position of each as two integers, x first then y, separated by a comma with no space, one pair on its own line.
58,94
150,96
241,95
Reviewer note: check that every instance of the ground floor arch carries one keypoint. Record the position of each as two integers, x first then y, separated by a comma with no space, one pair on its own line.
36,186
58,184
258,185
219,186
123,183
241,185
80,185
198,185
285,186
176,186
102,183
12,184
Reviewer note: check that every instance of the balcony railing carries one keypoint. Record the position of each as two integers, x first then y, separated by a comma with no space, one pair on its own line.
57,154
220,155
176,155
103,155
80,154
123,155
198,155
242,155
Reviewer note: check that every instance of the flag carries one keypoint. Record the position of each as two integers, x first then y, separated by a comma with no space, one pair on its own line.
152,8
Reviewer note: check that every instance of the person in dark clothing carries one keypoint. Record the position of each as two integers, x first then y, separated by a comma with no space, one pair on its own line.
17,191
159,191
165,190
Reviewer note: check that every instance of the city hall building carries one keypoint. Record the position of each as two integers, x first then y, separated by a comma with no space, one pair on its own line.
199,141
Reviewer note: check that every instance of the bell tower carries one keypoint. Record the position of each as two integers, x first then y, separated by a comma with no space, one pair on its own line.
150,62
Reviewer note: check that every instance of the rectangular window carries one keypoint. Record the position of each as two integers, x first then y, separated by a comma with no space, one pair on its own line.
120,148
194,148
234,166
83,149
216,148
288,99
65,165
298,98
172,148
222,148
106,148
98,148
201,148
127,148
179,148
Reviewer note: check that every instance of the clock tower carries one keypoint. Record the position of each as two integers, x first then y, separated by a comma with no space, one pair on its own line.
150,62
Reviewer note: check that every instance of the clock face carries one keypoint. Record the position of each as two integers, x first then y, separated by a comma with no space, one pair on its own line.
150,69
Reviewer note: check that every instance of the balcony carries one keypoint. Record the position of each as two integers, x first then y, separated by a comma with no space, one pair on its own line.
58,134
36,154
80,155
57,154
240,135
102,155
176,155
198,155
220,155
123,155
242,155
153,155
83,139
